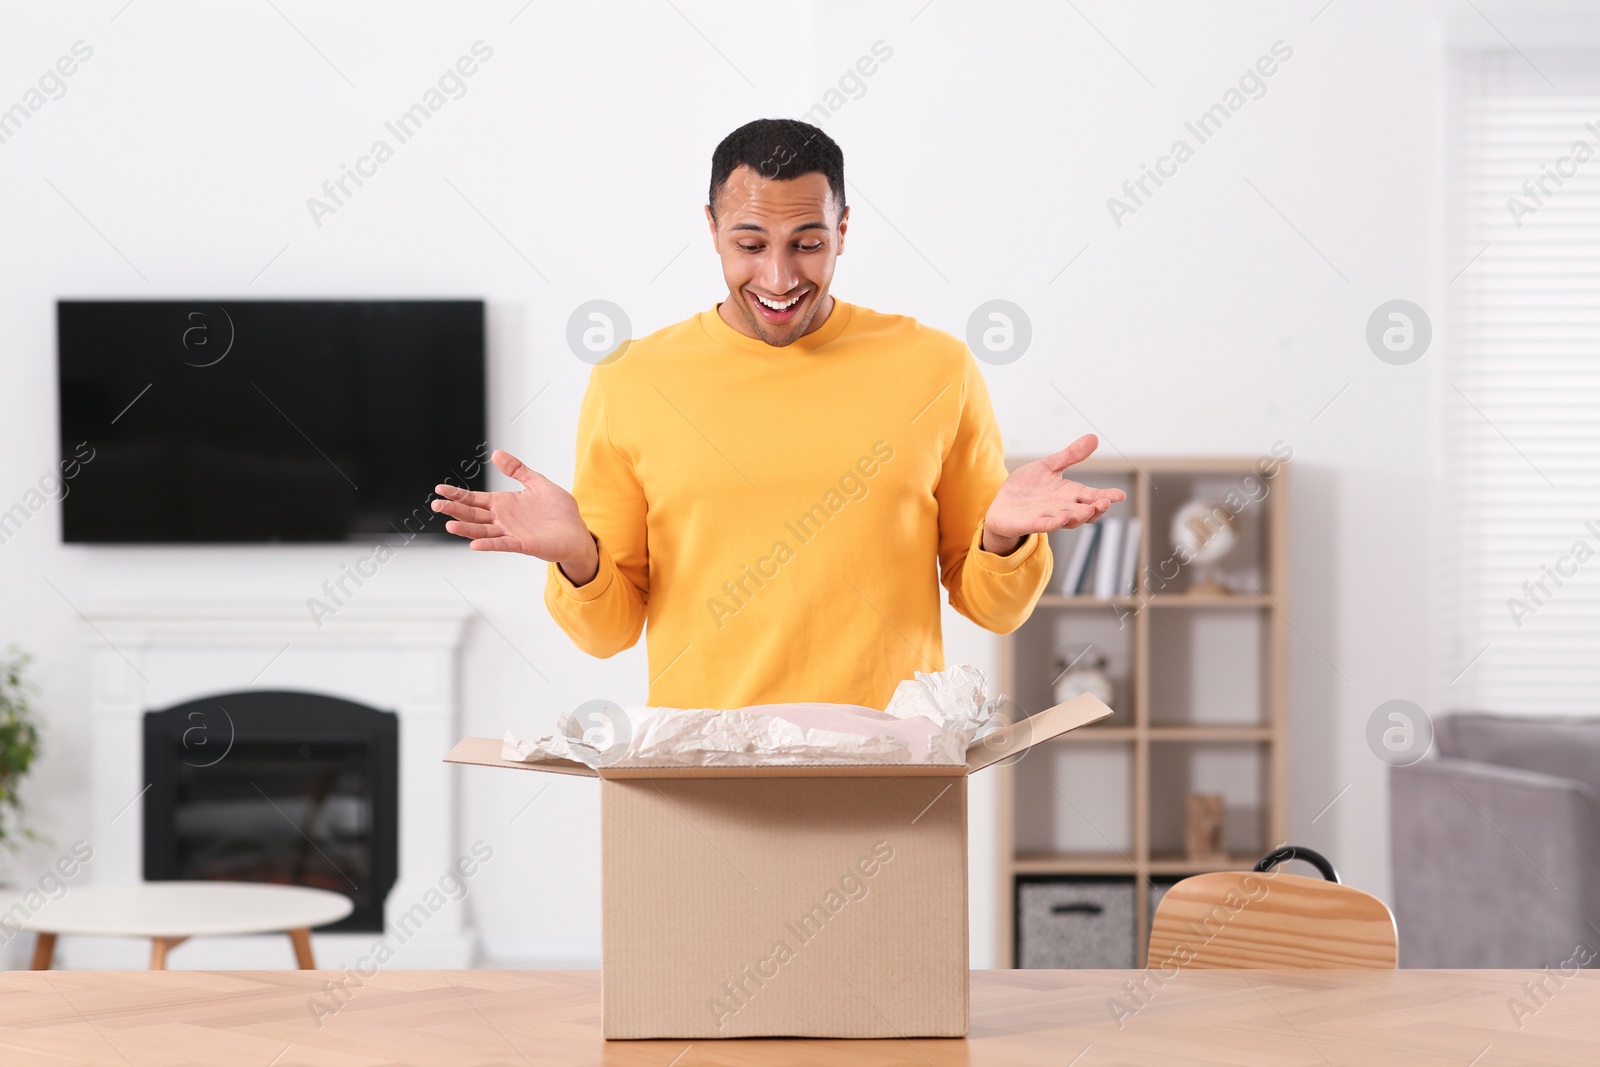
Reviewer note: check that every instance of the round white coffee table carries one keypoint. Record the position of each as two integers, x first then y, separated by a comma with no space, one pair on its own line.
169,913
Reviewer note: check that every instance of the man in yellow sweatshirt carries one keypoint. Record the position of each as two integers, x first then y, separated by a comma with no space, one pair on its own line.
770,483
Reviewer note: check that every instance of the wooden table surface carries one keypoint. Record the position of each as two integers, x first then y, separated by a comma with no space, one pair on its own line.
1019,1019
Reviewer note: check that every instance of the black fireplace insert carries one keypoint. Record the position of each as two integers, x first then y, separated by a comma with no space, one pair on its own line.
283,787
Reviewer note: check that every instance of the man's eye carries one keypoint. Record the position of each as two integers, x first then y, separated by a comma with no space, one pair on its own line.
749,248
810,247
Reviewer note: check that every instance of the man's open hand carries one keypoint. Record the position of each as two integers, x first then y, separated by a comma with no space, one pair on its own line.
1035,498
539,520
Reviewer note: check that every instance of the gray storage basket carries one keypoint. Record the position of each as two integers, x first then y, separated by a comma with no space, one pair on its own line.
1075,922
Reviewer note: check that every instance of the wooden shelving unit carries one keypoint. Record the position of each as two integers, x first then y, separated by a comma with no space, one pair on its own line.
1160,625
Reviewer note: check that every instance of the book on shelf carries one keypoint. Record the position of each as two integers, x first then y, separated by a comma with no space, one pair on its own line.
1127,580
1108,557
1073,580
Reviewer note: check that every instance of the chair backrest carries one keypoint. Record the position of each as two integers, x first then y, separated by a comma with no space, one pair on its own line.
1270,921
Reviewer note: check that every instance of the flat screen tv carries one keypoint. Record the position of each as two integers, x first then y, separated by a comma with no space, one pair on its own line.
191,422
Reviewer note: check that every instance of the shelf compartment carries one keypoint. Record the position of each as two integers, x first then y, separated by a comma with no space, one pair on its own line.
1074,799
1243,493
1236,770
1052,638
1211,668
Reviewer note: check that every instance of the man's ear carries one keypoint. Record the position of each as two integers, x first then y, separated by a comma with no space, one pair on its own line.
711,221
844,224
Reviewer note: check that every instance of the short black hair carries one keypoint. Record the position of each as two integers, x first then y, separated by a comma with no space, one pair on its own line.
779,150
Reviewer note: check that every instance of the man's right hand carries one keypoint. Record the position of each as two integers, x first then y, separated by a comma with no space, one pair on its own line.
540,520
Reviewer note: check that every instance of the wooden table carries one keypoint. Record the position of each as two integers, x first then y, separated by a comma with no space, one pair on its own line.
1019,1019
169,913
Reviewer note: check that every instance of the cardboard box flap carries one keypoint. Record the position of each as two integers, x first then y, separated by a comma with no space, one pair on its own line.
485,752
1012,740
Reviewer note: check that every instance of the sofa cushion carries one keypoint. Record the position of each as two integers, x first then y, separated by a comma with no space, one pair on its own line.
1561,746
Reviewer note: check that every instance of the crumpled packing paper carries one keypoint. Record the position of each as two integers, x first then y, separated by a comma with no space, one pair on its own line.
931,718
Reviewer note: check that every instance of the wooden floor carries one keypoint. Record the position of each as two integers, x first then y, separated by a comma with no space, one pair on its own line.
1019,1019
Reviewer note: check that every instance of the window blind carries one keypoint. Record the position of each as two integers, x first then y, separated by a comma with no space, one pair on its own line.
1520,404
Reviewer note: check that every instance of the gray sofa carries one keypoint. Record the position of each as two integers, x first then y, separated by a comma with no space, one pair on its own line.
1496,844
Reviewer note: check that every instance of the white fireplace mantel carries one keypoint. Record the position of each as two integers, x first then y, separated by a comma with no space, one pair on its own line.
399,658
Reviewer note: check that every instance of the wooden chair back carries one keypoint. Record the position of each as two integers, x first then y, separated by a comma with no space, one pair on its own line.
1270,921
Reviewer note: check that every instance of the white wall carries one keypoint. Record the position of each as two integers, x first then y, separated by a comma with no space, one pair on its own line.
980,156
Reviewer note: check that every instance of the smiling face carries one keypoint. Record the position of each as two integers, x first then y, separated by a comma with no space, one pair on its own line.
778,241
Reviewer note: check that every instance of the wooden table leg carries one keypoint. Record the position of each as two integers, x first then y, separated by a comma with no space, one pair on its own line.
302,949
159,947
43,949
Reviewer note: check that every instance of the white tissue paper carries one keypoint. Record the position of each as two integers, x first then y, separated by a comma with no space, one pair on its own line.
931,718
956,698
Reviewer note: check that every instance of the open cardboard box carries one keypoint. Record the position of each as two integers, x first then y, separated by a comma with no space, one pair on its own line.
797,900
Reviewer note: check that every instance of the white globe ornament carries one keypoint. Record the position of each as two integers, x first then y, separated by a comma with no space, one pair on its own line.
1206,532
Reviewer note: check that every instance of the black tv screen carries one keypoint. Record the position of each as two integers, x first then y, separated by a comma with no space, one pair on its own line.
266,420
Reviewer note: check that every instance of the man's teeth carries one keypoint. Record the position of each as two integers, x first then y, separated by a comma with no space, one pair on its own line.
774,305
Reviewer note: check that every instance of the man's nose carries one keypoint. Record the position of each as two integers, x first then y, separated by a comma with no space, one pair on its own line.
778,274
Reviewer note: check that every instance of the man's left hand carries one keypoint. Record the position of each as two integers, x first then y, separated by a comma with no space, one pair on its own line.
1035,498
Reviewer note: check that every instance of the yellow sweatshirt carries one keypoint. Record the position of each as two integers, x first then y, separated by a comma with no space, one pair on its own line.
776,513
